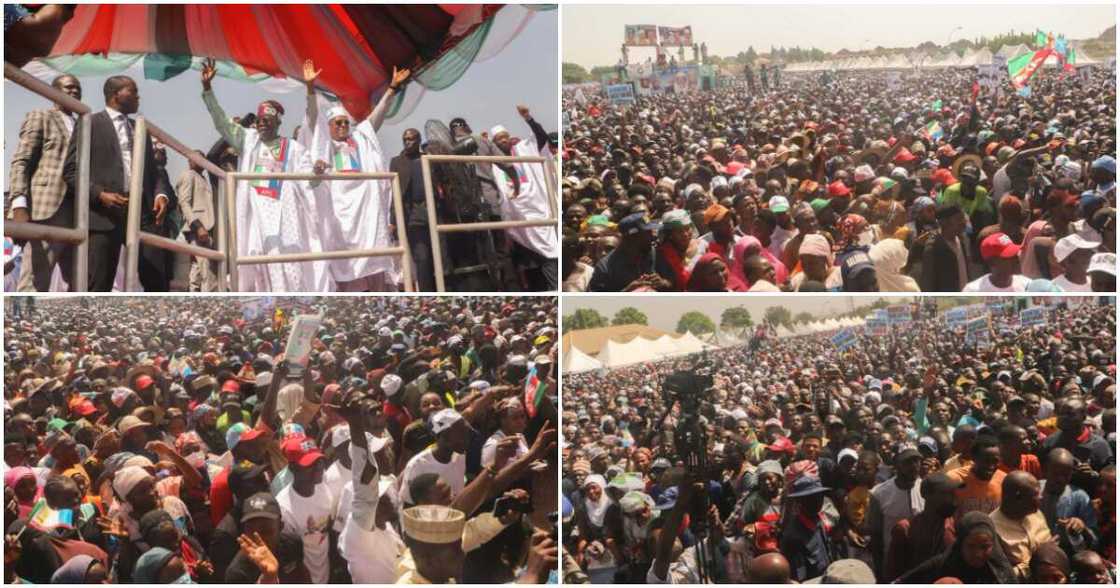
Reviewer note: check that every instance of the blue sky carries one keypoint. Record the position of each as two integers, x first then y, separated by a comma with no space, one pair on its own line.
524,72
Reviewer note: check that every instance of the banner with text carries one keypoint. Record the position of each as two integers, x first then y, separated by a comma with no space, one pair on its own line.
641,35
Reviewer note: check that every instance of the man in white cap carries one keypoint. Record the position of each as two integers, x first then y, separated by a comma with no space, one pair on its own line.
434,535
1074,252
272,216
446,458
1102,272
353,214
524,193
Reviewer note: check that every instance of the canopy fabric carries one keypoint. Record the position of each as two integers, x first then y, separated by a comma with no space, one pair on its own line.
356,45
576,361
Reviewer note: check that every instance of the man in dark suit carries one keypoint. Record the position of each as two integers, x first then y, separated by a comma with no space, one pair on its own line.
945,259
110,169
407,166
38,190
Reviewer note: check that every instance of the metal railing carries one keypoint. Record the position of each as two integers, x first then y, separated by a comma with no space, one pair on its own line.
134,237
79,235
398,212
435,228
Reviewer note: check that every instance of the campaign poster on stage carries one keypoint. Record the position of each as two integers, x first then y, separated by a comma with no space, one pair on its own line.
641,35
675,36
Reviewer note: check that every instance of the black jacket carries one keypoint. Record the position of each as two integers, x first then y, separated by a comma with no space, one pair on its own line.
106,173
939,266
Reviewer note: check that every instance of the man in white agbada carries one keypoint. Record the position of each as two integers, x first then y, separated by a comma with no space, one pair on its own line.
524,192
272,216
353,214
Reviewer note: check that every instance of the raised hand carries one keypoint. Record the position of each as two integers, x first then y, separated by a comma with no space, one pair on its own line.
209,70
310,74
523,111
400,77
259,553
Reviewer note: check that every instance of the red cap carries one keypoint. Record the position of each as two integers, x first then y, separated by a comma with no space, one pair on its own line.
782,445
231,385
143,381
83,407
943,176
303,451
734,167
998,245
839,189
904,156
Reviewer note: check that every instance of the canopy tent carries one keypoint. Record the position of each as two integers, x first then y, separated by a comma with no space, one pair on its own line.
615,354
576,361
1009,52
356,45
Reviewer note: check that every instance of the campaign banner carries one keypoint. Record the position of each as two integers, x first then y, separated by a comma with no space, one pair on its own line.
844,339
976,310
878,326
675,36
899,315
956,317
298,349
641,35
1033,316
975,329
620,93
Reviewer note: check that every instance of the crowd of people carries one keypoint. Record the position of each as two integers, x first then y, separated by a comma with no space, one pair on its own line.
275,217
170,440
912,456
845,181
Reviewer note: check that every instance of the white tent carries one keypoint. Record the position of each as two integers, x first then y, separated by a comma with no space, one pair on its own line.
1010,52
576,361
614,354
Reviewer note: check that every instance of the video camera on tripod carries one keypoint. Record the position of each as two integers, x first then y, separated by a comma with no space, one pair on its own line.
690,389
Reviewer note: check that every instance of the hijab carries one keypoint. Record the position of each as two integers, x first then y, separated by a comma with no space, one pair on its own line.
748,246
597,510
952,563
707,259
12,478
889,256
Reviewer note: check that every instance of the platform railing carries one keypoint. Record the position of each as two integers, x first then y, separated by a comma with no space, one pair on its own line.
436,229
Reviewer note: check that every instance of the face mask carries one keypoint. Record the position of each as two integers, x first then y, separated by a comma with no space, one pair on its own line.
184,579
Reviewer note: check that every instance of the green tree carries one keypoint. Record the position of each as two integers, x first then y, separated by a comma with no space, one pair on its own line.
736,317
751,55
803,317
573,73
584,318
777,315
629,316
696,322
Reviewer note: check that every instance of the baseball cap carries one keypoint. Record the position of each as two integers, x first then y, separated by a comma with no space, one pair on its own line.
302,452
444,419
715,213
1072,242
778,204
1103,262
261,505
390,384
998,245
129,423
239,432
636,223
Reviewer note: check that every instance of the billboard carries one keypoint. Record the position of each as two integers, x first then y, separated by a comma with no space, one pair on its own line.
675,36
641,35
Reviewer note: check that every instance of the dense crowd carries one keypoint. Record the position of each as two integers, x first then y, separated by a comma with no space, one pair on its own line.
910,456
845,181
163,440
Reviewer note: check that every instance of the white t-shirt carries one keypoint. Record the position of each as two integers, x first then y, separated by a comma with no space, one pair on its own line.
984,284
310,518
1067,286
491,447
372,555
336,476
453,472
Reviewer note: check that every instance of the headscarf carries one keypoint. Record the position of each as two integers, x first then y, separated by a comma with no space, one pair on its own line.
127,479
596,509
749,246
851,227
1027,252
707,258
889,255
149,564
951,563
288,401
797,469
74,570
13,476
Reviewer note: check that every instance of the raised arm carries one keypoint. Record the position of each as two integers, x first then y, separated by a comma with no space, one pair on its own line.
400,78
234,134
538,131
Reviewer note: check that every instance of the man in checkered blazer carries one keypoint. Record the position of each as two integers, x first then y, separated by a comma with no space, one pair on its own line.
38,190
